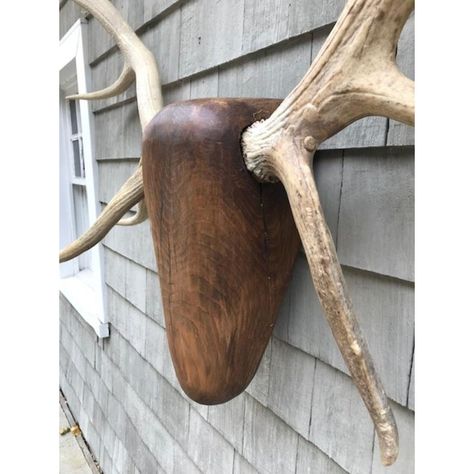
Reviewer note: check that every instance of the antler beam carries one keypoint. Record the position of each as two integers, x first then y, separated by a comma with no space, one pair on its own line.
353,76
139,64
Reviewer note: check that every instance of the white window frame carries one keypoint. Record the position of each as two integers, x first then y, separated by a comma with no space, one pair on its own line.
84,289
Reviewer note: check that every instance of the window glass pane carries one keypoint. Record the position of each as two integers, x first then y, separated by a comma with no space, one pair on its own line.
79,166
81,215
77,158
72,109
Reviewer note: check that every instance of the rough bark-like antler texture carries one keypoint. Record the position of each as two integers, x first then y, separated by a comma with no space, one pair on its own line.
141,65
353,76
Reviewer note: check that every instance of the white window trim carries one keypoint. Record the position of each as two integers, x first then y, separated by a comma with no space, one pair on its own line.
85,290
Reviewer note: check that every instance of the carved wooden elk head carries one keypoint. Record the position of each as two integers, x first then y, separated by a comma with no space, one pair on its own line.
224,236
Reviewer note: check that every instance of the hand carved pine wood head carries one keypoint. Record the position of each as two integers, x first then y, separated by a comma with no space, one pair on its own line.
224,236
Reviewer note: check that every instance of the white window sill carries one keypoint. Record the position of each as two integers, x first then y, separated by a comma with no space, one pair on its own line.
79,291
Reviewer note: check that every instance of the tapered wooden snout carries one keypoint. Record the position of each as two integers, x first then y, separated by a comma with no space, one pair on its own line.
225,244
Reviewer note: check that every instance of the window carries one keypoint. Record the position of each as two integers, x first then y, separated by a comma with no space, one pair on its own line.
81,279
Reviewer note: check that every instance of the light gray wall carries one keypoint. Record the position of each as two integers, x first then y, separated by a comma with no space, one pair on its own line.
301,413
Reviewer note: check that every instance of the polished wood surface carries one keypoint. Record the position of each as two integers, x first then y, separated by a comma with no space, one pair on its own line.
225,244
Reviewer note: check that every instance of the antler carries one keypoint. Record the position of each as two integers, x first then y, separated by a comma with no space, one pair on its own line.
139,64
353,76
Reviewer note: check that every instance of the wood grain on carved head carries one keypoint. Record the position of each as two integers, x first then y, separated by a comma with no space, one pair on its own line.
225,245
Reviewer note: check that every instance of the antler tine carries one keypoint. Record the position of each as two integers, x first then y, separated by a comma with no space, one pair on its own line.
353,76
140,59
140,216
141,65
122,83
129,194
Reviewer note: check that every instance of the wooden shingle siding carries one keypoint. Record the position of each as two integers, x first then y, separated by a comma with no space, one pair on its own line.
376,220
205,85
301,413
228,419
268,22
118,133
108,418
211,34
385,311
135,243
328,175
112,174
100,41
269,443
154,303
291,368
273,73
104,74
69,14
152,9
241,466
260,385
398,133
340,424
210,451
312,460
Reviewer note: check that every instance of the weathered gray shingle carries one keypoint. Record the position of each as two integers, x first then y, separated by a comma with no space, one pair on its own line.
384,308
135,243
269,444
205,85
291,385
273,74
268,22
208,449
313,460
105,73
398,133
340,424
259,386
376,221
228,419
100,40
128,320
118,132
68,15
211,33
135,285
154,303
242,466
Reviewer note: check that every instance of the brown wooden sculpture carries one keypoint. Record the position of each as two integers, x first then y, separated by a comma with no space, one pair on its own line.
225,244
